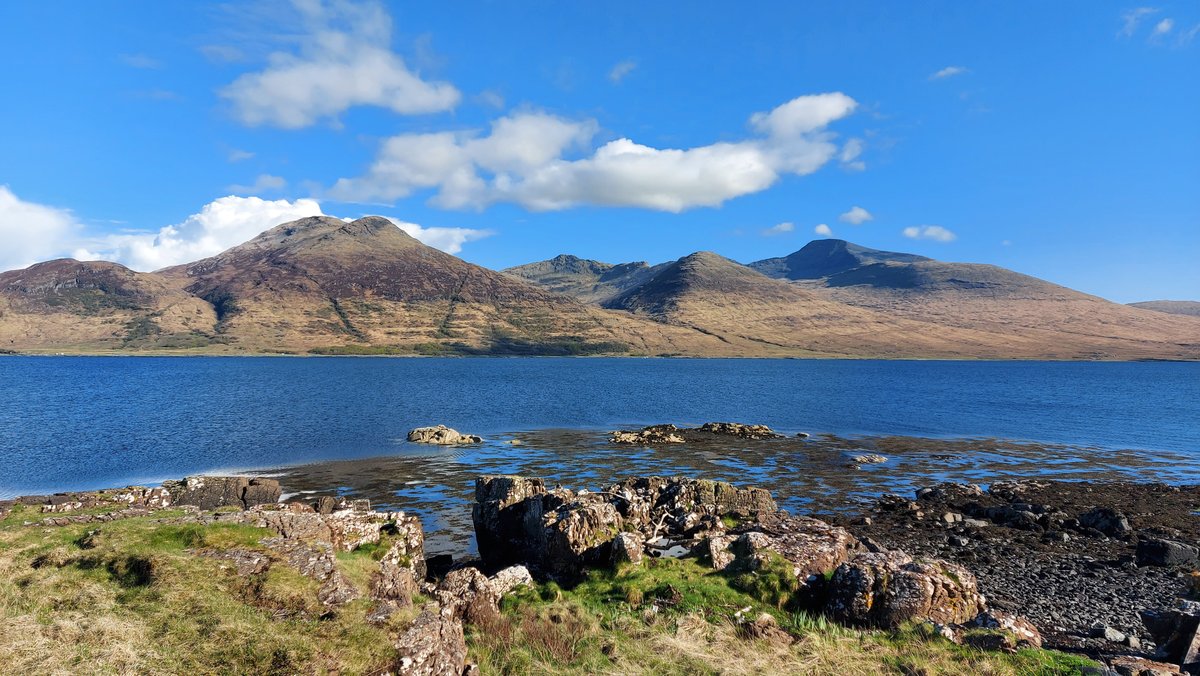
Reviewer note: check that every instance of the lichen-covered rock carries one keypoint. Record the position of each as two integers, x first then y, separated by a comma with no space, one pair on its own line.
433,645
469,595
578,533
316,560
213,492
628,548
812,546
887,589
680,504
245,562
716,549
441,435
1128,665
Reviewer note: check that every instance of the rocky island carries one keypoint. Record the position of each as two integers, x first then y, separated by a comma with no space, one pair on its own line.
651,574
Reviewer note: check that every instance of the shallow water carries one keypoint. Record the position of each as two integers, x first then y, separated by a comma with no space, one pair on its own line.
87,422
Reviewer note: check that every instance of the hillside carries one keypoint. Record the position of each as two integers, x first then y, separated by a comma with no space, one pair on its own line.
824,257
587,280
67,305
1188,308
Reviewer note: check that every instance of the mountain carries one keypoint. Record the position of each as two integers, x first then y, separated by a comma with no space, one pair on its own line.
587,280
1059,323
754,312
68,305
1188,308
825,257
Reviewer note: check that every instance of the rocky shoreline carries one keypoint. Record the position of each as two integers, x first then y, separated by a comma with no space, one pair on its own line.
1102,569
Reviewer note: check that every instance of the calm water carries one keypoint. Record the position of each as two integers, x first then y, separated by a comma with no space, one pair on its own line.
85,422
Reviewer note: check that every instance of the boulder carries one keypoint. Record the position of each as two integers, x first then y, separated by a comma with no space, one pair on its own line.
628,548
887,589
1023,632
213,492
716,549
578,533
441,435
510,578
507,515
1177,633
433,645
469,595
1159,552
1106,520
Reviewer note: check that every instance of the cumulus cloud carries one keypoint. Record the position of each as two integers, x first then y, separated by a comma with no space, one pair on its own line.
222,223
934,232
948,71
823,230
780,229
1131,18
227,222
344,60
264,183
856,216
32,232
850,154
621,70
524,160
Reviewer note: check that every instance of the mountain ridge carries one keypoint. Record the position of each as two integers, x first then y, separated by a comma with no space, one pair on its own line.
328,286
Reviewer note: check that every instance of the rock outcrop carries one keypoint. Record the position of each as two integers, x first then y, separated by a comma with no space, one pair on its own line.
433,645
559,532
441,435
670,434
214,492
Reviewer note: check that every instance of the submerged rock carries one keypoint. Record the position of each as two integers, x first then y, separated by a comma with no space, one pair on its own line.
441,435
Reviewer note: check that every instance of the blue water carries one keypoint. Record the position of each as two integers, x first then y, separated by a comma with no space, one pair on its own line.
86,422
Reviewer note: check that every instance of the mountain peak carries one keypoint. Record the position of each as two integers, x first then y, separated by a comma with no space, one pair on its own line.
824,257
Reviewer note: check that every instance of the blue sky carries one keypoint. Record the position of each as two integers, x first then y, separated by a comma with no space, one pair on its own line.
1057,139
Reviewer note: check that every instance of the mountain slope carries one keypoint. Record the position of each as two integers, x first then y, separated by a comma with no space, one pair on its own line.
325,284
586,280
1188,308
68,304
1060,322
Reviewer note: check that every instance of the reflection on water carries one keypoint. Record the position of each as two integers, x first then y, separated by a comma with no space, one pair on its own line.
805,475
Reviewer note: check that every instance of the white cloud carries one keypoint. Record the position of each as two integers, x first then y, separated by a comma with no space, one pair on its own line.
491,99
236,155
850,154
1131,18
934,232
1188,36
948,71
823,230
450,240
856,216
621,70
343,61
264,183
523,160
1163,27
31,232
780,229
222,223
